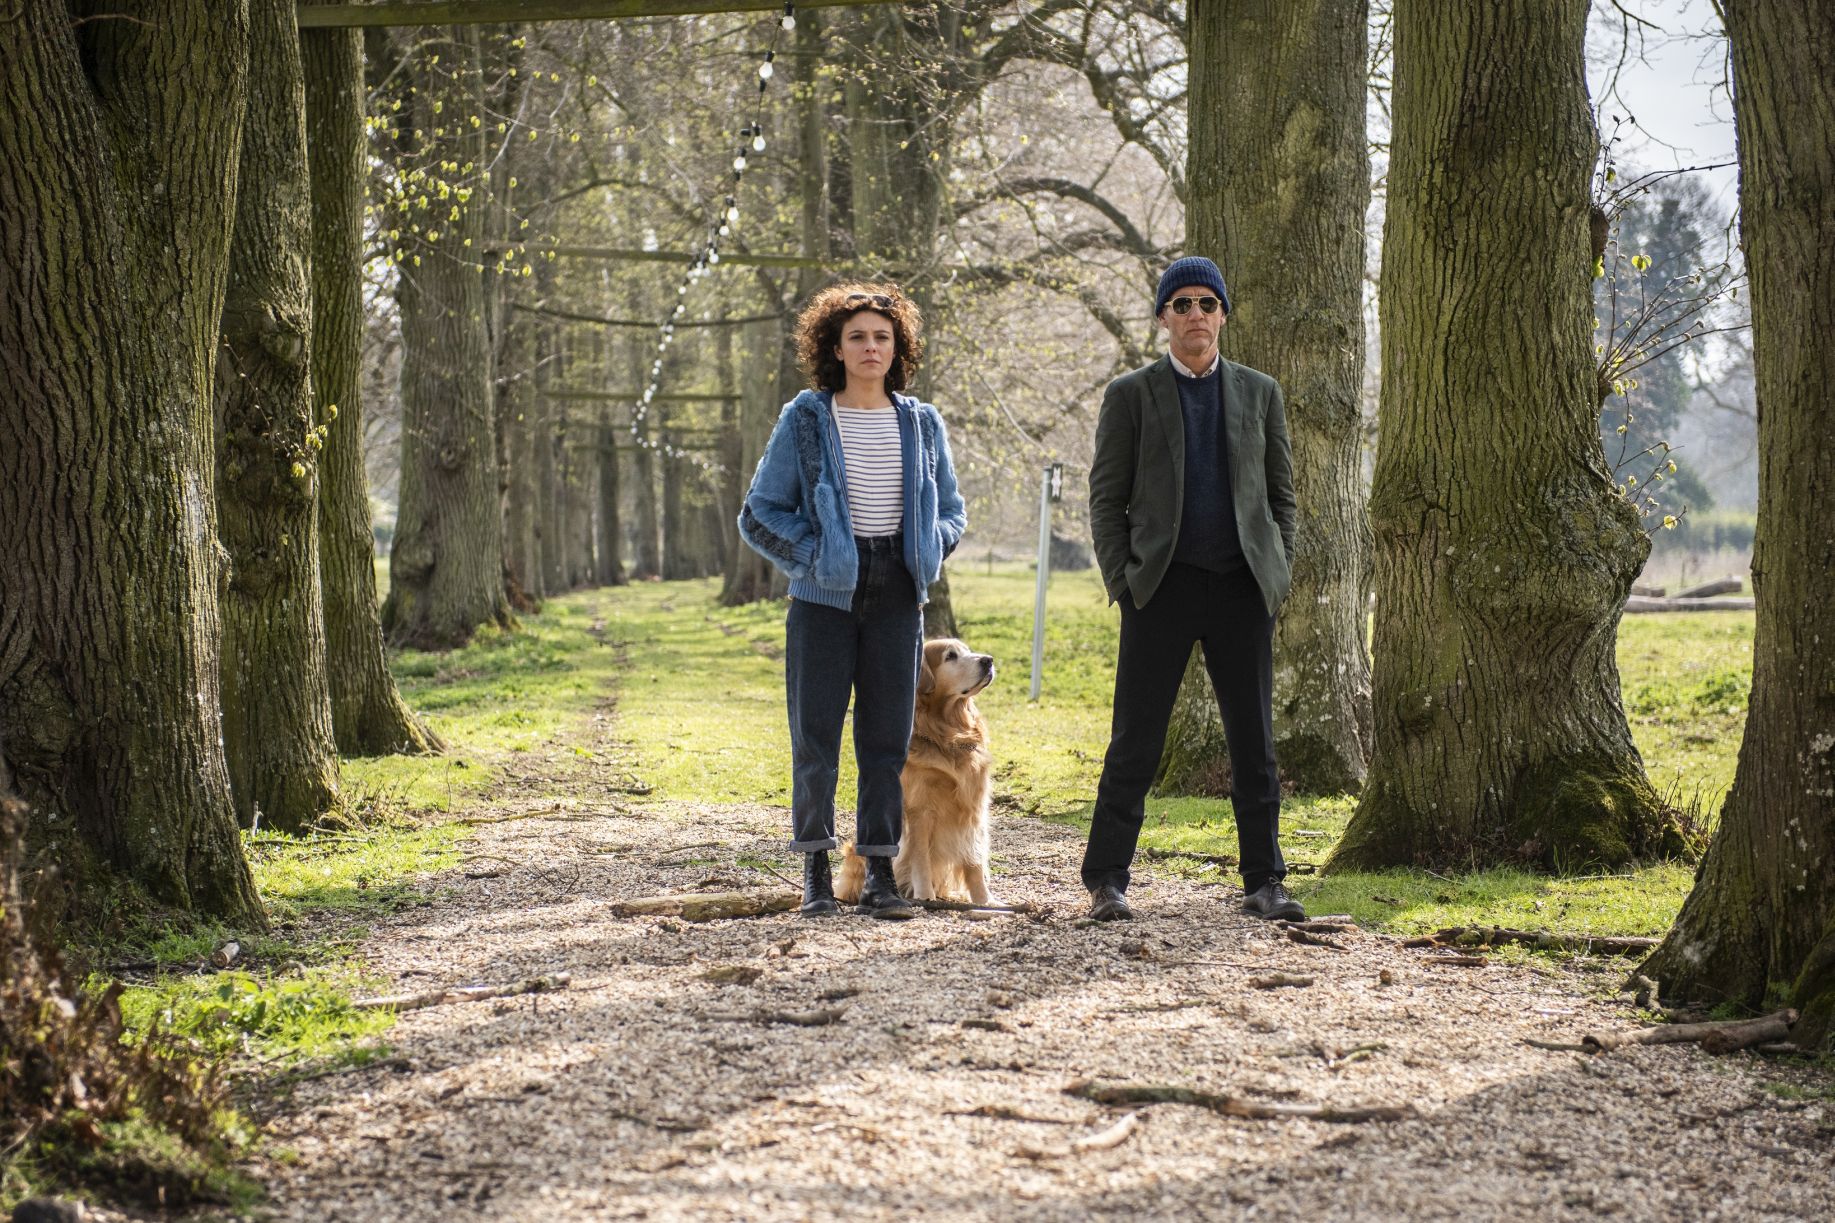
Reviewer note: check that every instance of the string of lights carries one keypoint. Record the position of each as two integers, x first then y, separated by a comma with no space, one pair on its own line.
707,256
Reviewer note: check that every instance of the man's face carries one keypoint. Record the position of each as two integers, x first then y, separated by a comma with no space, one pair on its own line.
1194,333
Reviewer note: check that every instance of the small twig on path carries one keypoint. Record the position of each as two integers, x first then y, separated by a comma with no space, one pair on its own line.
802,1019
1232,1105
1297,935
1174,854
776,874
1102,1140
1277,980
1006,1112
708,906
962,906
1455,961
463,993
1320,925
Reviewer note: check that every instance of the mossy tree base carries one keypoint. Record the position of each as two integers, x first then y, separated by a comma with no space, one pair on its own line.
1565,815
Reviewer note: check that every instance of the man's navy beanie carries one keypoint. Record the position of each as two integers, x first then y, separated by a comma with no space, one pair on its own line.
1189,271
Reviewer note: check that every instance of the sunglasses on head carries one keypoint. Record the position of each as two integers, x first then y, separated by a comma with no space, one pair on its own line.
1183,305
879,301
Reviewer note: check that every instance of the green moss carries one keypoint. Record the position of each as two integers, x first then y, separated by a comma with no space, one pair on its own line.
1575,814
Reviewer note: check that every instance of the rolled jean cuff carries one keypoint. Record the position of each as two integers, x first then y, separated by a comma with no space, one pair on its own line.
876,851
813,847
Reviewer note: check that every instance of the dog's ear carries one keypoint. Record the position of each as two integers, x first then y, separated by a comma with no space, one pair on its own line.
927,678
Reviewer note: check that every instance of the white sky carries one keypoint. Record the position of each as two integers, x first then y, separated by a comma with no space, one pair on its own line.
1675,95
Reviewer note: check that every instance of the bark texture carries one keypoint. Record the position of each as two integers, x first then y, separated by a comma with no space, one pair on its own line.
118,155
446,564
1502,555
283,761
1760,923
1279,176
368,716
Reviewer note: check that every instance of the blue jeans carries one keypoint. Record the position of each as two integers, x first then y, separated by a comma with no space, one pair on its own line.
871,651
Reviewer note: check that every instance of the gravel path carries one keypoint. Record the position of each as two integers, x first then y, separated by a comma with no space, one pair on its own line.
651,1087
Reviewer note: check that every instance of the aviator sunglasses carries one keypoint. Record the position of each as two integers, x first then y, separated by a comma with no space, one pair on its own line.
879,301
1183,305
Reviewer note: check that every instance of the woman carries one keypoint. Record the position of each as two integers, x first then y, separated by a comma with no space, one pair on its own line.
855,500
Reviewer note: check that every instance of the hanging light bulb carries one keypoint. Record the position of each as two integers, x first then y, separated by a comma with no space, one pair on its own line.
758,144
739,164
725,230
732,214
788,22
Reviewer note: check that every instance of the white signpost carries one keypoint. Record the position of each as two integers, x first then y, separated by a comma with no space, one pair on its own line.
1051,488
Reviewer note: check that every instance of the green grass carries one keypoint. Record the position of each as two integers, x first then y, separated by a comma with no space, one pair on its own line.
505,693
703,707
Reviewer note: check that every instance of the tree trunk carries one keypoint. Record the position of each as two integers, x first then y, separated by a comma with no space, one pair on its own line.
610,566
1760,922
749,575
1503,556
518,412
551,465
117,135
1277,118
648,559
283,760
1196,758
446,565
368,716
582,467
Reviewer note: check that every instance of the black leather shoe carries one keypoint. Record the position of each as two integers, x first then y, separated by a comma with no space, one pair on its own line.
1107,903
879,895
1271,902
818,886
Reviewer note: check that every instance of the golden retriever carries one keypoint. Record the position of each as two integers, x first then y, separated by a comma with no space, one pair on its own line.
947,781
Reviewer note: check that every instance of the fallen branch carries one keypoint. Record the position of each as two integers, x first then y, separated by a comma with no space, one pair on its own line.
1298,935
1006,1112
1456,961
801,1019
1233,1106
1323,925
962,906
708,906
463,993
1718,1036
1277,980
1541,940
1635,604
1213,859
1102,1140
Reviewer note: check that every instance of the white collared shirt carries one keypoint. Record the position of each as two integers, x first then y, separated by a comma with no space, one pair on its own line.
1216,360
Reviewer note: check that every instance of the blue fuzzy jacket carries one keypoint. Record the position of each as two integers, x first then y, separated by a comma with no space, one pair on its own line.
796,512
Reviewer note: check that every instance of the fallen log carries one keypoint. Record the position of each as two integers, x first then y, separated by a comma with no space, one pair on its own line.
1649,592
1234,1106
1728,585
1024,908
1636,604
1102,1140
708,906
463,993
1541,940
1716,1036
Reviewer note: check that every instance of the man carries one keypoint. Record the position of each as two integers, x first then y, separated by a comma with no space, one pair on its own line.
1192,513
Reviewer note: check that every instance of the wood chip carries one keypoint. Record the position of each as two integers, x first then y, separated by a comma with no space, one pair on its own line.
1279,980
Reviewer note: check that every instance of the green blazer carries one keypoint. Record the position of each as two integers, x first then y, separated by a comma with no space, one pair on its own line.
1137,479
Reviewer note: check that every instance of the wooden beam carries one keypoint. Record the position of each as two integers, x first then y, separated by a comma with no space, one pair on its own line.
625,254
634,396
476,12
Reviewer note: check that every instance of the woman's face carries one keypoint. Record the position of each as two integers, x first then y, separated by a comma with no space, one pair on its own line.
868,345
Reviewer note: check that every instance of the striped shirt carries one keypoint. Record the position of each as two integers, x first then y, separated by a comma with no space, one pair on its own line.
875,469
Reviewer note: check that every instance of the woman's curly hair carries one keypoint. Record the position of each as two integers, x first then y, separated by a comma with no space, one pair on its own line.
818,333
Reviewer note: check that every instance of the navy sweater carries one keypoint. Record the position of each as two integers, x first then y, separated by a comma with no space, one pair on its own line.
1207,527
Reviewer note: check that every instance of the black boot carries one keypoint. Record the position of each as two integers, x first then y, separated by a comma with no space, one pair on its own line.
879,896
818,886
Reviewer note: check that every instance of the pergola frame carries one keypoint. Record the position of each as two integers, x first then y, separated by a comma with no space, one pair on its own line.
478,12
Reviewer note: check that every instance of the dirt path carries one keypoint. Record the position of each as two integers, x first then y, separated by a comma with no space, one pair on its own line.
647,1089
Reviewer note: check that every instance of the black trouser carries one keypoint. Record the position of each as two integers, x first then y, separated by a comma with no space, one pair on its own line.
1226,613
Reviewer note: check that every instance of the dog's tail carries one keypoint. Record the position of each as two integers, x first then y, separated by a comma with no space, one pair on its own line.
852,876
